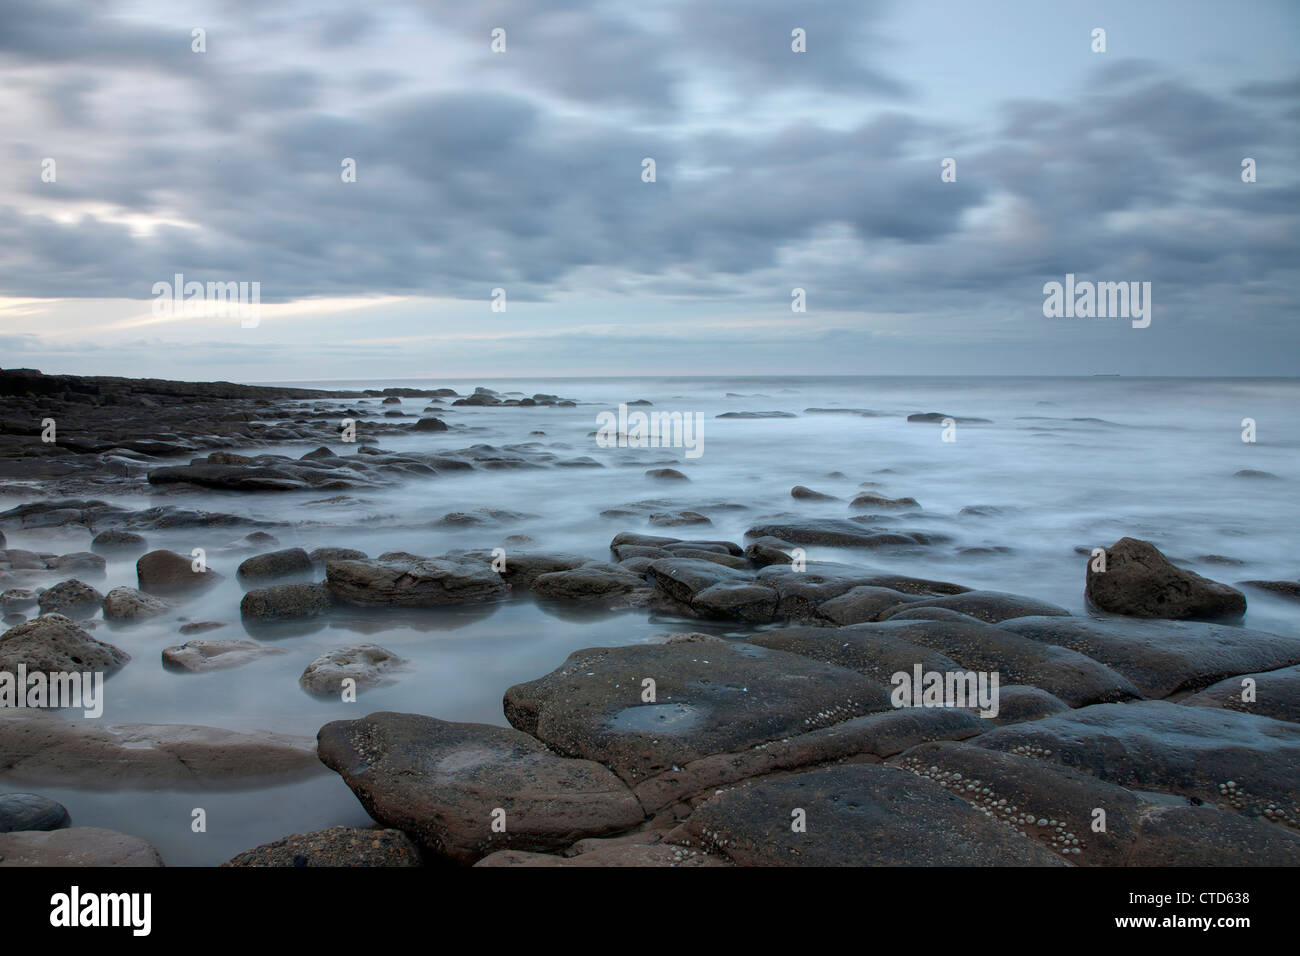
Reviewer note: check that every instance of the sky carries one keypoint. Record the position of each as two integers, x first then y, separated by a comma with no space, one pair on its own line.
128,156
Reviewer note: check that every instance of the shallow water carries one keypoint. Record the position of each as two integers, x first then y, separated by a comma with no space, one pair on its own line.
1079,462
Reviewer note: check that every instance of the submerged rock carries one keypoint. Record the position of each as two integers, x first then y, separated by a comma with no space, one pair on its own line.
368,665
200,656
31,811
128,604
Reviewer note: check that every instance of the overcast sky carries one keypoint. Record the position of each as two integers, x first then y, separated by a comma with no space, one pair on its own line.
522,170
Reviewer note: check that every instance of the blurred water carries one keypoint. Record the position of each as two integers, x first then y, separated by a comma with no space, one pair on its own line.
1065,463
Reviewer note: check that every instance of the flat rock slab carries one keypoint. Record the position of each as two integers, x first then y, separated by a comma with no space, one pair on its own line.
948,645
422,582
833,533
987,606
627,854
1275,694
200,656
31,811
872,738
710,697
856,815
37,747
1163,657
1057,806
440,783
76,846
337,846
1241,762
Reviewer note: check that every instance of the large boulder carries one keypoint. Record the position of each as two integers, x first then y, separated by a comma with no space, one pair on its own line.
446,784
1139,581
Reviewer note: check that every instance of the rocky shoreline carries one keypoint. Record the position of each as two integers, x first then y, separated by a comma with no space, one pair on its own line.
1123,737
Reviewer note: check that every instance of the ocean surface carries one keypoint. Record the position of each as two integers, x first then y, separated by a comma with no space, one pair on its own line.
1061,465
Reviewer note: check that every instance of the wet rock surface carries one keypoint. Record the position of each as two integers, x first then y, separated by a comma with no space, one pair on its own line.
1139,581
337,846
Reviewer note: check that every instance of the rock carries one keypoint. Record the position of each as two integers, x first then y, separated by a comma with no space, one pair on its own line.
1054,806
666,474
831,533
429,425
876,502
619,854
991,607
368,665
675,519
200,656
424,582
321,556
802,593
275,564
1287,589
128,604
79,561
37,747
168,573
115,542
54,643
522,568
442,782
15,599
281,602
1139,581
938,417
768,550
31,811
872,737
76,846
1274,694
742,602
1255,473
807,494
198,627
229,477
857,815
862,603
1157,745
73,599
1164,657
710,699
335,847
897,646
594,581
683,578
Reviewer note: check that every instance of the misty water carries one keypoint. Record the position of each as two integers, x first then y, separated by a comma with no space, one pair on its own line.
1064,464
